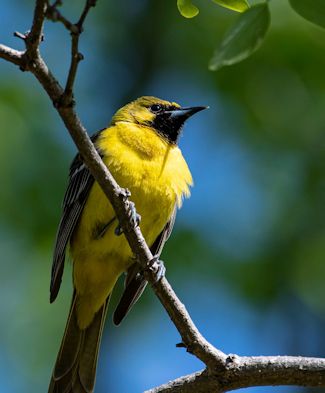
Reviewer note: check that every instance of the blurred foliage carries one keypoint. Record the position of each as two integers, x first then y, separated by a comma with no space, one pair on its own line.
187,9
312,10
247,255
249,30
235,5
243,38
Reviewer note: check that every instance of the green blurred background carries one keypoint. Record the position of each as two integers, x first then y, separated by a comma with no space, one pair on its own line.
247,253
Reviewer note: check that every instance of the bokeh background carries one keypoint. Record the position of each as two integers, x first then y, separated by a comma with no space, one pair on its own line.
247,253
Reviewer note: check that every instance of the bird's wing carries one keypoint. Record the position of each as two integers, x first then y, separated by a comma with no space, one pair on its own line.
80,182
135,282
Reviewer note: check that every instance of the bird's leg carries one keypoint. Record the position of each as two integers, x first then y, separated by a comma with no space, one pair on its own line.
157,268
135,218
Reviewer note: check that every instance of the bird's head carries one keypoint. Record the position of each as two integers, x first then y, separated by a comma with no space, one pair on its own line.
166,118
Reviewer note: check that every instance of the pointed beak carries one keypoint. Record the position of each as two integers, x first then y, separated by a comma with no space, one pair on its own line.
183,114
169,123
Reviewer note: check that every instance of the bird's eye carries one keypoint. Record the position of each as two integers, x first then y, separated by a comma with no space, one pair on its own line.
155,108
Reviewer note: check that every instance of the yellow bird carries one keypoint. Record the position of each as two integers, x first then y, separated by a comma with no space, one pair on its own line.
140,149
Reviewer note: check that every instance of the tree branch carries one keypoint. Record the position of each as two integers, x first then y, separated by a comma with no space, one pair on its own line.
223,372
243,372
75,31
11,55
53,14
35,36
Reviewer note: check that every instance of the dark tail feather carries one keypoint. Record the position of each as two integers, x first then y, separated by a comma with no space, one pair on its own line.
134,286
75,367
131,294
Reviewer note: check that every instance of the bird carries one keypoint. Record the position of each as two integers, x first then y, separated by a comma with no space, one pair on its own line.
140,149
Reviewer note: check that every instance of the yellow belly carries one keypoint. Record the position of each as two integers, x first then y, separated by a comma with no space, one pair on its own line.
157,180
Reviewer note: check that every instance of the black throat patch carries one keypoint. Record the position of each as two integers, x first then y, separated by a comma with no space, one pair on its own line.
168,126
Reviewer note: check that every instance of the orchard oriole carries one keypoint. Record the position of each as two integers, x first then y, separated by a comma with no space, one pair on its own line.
140,149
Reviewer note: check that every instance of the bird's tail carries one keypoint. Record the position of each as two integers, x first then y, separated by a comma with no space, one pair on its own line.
75,367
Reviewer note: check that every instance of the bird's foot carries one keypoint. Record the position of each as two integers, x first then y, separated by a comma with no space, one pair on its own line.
124,194
157,267
134,217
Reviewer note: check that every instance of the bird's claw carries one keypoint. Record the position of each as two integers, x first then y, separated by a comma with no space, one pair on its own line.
157,267
134,217
125,193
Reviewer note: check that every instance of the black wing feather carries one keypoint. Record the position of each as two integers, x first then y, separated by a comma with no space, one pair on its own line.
135,283
80,182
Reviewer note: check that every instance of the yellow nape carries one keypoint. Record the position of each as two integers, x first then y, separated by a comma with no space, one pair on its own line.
137,111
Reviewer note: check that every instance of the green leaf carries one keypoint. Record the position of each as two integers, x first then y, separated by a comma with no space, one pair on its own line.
243,38
235,5
187,9
312,10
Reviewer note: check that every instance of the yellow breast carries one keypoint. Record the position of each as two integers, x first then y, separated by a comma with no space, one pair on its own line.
154,171
141,160
158,177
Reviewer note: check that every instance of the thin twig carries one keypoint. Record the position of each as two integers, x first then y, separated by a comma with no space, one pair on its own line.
75,30
76,56
89,4
35,35
33,38
53,14
20,35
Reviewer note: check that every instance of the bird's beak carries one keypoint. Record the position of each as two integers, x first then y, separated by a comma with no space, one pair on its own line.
169,123
183,114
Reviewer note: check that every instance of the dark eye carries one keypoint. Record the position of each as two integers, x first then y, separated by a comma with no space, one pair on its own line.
155,108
